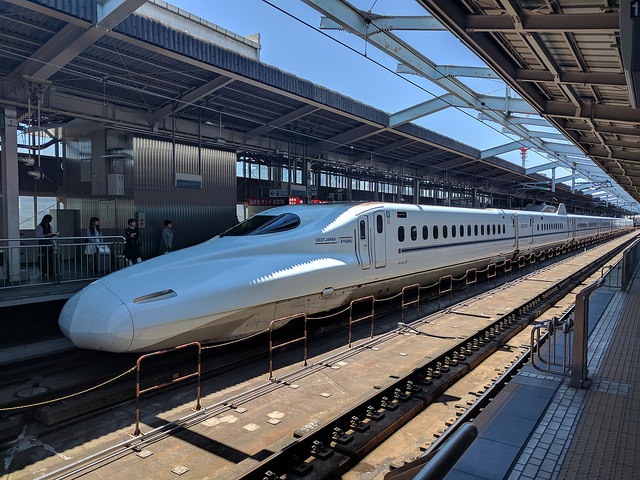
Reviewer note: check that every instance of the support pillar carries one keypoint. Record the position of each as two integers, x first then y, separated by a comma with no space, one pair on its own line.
10,227
553,179
573,180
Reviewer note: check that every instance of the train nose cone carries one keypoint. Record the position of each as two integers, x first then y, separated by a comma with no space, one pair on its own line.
96,319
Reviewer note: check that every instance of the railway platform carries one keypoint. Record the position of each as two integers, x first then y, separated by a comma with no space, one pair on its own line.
540,427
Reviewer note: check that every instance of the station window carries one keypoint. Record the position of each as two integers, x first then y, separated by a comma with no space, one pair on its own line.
414,233
425,232
445,231
453,231
435,232
401,234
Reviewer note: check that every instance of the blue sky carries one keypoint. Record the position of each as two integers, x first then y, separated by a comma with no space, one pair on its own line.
299,49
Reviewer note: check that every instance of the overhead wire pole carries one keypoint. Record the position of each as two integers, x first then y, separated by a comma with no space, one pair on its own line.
360,23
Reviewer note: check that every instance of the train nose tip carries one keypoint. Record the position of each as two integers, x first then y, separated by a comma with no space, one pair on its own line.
95,318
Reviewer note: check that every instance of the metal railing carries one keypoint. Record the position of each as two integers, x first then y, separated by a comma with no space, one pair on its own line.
274,346
38,261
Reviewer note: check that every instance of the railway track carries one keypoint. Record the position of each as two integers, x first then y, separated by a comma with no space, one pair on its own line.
330,448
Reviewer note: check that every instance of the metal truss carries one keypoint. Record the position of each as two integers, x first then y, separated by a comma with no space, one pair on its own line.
377,31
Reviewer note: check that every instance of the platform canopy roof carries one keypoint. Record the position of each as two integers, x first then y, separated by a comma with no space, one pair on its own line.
577,63
102,61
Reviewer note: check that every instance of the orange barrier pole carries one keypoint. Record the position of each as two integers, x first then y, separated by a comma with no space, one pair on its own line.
175,380
273,347
352,320
415,286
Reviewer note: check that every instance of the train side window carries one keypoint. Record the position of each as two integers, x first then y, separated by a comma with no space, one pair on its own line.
435,232
363,230
488,229
538,227
425,232
504,228
379,223
414,233
494,228
453,231
444,231
468,230
462,230
401,234
475,230
482,229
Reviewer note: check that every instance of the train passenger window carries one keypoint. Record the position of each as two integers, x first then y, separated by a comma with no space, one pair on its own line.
363,230
462,230
538,227
444,231
494,228
481,229
488,229
504,228
414,233
475,230
468,230
263,224
401,234
425,232
435,232
453,231
379,223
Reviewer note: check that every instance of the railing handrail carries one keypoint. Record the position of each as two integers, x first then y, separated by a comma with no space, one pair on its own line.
59,237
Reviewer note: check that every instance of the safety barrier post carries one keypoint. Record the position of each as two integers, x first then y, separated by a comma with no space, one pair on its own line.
522,262
558,251
550,253
273,347
579,370
449,289
491,273
416,298
532,259
371,316
174,380
471,278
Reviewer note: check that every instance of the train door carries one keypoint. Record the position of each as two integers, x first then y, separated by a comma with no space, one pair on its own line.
514,219
531,227
379,239
363,241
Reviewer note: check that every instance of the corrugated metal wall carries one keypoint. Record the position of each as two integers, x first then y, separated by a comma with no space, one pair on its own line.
197,214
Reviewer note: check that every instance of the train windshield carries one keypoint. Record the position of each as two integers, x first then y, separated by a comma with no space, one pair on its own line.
263,224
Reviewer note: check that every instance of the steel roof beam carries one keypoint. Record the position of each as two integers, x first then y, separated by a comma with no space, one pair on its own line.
576,78
189,98
607,23
593,111
542,168
424,109
345,138
507,147
539,122
387,148
283,120
584,127
455,71
388,22
70,42
629,39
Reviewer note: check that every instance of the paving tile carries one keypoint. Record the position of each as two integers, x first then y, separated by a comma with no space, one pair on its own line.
487,459
509,429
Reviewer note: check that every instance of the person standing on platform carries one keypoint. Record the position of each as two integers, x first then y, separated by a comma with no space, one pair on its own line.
95,248
43,230
166,245
132,242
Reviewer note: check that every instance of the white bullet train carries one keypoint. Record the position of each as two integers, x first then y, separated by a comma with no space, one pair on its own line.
304,258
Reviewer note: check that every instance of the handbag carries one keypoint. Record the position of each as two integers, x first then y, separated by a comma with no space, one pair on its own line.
90,249
103,249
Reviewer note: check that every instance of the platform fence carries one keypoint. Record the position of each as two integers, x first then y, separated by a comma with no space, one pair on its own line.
55,260
275,346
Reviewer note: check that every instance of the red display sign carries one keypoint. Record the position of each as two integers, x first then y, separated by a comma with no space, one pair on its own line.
274,201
